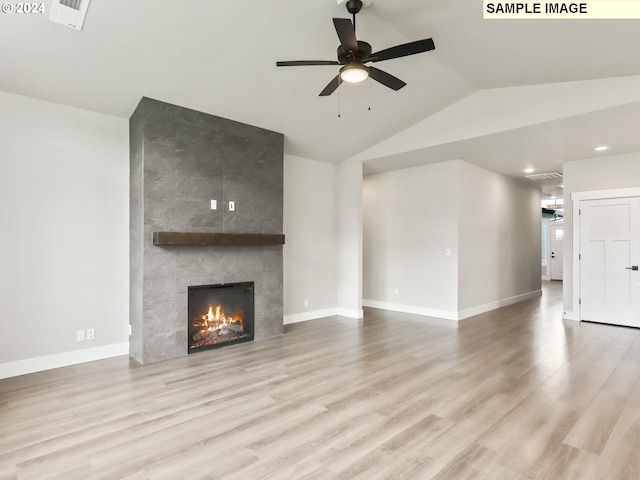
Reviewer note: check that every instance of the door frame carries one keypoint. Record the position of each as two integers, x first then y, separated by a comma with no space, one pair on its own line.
576,198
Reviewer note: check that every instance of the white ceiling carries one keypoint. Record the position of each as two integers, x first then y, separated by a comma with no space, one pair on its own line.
219,57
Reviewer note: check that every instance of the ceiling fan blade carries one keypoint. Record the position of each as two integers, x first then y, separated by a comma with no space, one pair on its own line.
301,63
331,87
346,34
385,78
403,50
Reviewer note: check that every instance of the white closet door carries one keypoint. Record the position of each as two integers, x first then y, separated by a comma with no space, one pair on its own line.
610,256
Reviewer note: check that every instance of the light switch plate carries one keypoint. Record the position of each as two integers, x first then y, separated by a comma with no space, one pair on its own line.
232,206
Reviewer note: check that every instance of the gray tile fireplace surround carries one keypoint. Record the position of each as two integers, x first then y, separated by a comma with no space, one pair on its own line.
180,161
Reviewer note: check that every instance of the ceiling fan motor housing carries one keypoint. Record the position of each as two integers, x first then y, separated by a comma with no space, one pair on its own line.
347,56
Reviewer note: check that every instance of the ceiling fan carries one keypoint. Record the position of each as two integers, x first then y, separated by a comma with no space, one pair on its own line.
353,54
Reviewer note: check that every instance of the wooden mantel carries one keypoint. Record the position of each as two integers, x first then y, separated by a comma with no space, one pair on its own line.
161,239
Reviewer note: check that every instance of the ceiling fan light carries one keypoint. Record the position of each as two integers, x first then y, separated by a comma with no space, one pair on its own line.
353,73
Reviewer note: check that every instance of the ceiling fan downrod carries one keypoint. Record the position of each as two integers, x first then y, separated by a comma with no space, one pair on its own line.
353,7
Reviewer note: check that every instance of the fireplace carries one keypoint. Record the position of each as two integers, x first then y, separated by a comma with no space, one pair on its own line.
220,315
181,160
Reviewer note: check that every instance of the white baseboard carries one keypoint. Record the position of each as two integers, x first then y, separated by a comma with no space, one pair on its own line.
487,307
312,315
396,307
327,312
571,316
451,315
48,362
349,313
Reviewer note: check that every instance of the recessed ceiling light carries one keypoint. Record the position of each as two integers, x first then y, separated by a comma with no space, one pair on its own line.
601,148
529,170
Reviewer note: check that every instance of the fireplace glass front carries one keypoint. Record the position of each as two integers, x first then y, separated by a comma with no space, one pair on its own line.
220,315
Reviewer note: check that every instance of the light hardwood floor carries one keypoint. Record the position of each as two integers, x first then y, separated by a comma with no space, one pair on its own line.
512,394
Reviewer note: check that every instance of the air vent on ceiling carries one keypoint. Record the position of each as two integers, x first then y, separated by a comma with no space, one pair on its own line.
75,4
543,176
70,13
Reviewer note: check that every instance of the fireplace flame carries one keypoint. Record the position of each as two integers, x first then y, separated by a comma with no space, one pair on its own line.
207,317
216,320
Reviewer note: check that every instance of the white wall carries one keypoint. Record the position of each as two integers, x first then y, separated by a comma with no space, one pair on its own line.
64,244
323,239
499,240
310,239
602,173
410,219
349,239
490,223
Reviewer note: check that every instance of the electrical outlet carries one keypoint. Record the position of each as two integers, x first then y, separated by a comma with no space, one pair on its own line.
214,204
80,336
306,302
447,251
91,333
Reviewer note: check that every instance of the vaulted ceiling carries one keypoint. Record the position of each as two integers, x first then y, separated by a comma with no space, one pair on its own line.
219,57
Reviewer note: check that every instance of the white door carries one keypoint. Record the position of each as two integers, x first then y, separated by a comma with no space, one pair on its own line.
556,239
609,260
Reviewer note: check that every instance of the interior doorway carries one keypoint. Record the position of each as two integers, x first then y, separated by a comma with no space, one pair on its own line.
556,242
